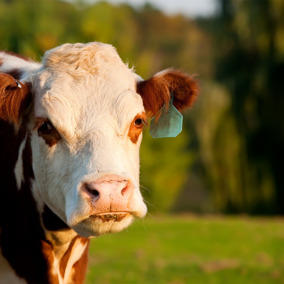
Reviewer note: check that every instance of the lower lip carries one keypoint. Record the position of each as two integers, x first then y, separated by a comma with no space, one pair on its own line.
111,216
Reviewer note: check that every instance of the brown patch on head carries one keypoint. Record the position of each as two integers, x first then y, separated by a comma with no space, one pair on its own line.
136,127
1,62
14,98
155,91
47,131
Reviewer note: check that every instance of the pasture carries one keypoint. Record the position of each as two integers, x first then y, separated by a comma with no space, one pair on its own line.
188,249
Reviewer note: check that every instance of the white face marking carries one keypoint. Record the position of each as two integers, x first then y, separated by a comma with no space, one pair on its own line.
19,165
89,96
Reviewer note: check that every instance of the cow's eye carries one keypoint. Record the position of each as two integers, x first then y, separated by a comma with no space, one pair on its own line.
138,121
46,130
45,127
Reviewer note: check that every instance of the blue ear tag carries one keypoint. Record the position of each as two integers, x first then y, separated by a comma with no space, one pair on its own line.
169,123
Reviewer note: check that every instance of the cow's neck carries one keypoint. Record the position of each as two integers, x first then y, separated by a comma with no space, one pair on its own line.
36,246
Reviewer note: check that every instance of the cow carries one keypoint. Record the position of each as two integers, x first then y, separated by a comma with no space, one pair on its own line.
70,131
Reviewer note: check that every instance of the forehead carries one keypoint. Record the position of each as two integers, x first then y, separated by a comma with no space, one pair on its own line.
82,85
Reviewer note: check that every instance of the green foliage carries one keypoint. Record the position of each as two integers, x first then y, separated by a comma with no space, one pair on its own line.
147,38
32,27
164,164
190,250
249,60
232,142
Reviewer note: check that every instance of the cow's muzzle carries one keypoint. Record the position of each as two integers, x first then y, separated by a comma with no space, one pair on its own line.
110,197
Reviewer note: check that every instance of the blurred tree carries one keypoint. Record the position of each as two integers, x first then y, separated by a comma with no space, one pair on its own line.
250,63
147,37
232,143
164,166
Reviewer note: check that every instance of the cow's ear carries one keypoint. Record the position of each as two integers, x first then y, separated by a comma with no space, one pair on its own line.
14,98
156,91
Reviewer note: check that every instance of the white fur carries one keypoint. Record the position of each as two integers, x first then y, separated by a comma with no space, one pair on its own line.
11,62
76,253
19,165
90,97
37,196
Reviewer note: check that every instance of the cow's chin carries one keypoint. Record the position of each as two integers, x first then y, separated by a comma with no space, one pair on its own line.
101,224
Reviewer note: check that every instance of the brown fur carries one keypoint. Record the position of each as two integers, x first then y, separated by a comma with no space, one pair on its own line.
21,232
66,256
135,130
13,100
47,251
1,62
22,238
155,91
80,267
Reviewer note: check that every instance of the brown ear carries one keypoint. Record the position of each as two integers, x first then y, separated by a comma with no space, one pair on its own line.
14,98
155,91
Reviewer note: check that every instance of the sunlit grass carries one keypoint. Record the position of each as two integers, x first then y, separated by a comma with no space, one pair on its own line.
176,250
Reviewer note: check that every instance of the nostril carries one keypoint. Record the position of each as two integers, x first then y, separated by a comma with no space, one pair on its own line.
123,191
93,191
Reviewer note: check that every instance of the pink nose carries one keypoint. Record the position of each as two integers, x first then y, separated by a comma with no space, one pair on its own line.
110,193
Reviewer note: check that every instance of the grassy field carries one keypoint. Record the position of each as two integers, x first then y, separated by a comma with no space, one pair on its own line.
177,250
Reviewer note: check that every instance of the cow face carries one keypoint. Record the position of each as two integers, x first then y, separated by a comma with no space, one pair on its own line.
85,126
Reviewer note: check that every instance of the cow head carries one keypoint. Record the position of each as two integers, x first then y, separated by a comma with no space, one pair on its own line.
84,111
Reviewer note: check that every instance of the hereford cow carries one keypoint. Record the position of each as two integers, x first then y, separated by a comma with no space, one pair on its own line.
70,132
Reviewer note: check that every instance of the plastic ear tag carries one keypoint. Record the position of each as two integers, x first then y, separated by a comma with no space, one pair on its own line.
169,123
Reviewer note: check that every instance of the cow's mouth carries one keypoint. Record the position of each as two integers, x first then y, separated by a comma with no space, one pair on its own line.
110,216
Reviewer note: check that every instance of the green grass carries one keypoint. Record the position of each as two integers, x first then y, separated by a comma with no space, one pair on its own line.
176,250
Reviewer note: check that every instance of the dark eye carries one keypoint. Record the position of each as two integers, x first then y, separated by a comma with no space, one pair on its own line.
138,121
45,127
